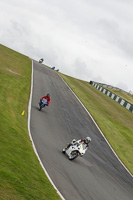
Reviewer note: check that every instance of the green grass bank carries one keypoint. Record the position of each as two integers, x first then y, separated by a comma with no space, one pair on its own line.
115,121
21,176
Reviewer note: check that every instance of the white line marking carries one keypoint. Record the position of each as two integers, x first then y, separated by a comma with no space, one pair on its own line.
29,116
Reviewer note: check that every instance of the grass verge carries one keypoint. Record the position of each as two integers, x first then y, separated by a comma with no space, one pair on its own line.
115,121
21,176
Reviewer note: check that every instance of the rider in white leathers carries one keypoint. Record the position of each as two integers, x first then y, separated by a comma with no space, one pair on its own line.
85,142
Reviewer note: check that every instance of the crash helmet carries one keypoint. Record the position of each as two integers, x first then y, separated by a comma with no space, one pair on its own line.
48,95
87,140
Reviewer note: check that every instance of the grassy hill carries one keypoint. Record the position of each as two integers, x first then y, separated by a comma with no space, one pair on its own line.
21,176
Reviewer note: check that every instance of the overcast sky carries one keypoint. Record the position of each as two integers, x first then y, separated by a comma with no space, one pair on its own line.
86,39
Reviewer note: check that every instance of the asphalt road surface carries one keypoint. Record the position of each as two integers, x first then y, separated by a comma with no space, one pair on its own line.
96,176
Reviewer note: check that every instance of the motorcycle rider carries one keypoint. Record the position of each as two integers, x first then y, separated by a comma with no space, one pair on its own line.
85,142
46,97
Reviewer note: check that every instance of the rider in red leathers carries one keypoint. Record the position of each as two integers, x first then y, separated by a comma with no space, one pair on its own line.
46,97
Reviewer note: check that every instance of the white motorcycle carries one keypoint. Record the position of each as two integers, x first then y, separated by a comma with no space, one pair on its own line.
74,150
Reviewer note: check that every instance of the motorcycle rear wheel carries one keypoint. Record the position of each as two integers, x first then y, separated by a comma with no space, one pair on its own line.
64,150
73,155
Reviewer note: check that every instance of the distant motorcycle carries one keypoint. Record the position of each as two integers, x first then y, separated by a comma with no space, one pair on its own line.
42,104
41,60
74,150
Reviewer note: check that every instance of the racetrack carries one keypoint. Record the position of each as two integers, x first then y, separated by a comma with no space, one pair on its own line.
96,176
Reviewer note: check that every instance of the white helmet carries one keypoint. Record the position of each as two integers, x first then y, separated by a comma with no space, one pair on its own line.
87,140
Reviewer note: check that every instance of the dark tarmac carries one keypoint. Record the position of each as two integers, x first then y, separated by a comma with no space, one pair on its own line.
98,175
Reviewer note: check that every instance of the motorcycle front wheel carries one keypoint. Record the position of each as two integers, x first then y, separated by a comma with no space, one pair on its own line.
40,107
73,155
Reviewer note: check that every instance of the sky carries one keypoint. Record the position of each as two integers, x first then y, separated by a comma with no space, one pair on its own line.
85,39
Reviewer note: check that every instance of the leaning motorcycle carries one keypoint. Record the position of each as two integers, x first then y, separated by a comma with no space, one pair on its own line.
74,150
42,104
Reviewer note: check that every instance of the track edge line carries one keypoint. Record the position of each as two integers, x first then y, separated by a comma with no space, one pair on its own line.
29,116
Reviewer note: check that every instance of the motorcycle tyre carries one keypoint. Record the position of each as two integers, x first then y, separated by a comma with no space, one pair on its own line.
74,156
63,151
40,107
